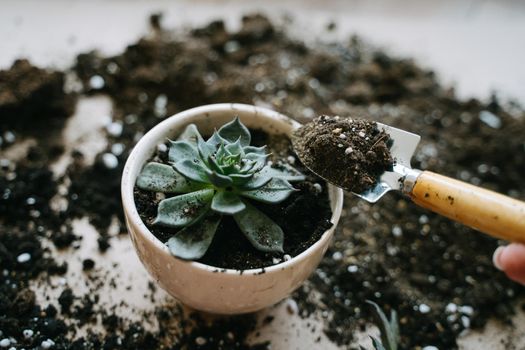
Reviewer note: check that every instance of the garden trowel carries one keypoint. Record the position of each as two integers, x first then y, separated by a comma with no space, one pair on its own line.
487,211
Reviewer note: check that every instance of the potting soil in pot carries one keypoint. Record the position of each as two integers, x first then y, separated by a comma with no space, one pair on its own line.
437,274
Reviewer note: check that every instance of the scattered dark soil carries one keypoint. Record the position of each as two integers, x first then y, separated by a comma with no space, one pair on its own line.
393,252
304,216
350,153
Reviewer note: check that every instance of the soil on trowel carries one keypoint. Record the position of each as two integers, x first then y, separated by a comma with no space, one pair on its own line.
349,153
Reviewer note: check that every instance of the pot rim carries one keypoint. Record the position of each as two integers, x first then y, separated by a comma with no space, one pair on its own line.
128,184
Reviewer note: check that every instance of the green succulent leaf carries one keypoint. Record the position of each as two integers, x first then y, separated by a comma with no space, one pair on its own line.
218,180
190,134
163,178
258,180
182,150
192,170
285,172
377,344
260,160
275,191
215,140
257,150
240,179
226,202
235,130
389,329
235,148
205,150
184,209
214,165
192,242
264,234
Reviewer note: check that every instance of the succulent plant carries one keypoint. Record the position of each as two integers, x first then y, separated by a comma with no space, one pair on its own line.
389,330
216,177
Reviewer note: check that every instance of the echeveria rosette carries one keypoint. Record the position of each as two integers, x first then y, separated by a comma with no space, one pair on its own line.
217,177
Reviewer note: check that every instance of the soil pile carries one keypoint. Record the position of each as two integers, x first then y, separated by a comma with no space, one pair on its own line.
436,273
350,153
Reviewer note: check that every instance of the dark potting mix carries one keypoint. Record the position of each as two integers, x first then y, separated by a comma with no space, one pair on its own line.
350,153
436,273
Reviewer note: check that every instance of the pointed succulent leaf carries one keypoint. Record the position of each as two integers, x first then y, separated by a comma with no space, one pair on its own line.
275,191
240,179
248,166
192,242
215,140
389,334
184,209
260,160
226,202
284,172
218,180
264,234
180,150
257,150
205,150
377,344
235,148
192,170
258,180
163,178
235,130
190,134
214,165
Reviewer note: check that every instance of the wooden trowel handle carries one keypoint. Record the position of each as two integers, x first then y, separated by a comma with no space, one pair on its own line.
487,211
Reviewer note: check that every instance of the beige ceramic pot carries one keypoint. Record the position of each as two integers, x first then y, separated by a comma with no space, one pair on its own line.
204,287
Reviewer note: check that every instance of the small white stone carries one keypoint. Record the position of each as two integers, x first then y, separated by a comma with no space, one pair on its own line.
117,148
4,343
337,256
430,347
342,136
28,333
287,257
361,134
9,137
423,219
349,150
340,145
292,307
30,201
465,321
161,147
232,46
337,130
115,129
291,159
451,308
352,268
397,231
490,119
467,310
24,257
109,160
424,308
47,344
275,261
200,341
318,188
96,82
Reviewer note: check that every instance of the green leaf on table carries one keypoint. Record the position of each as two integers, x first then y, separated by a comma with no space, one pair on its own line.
226,202
264,234
193,241
183,209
